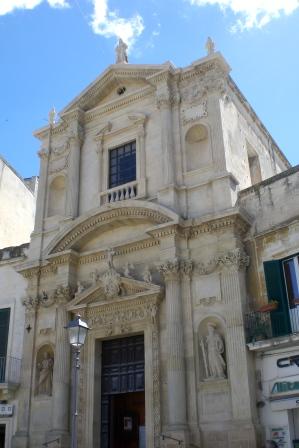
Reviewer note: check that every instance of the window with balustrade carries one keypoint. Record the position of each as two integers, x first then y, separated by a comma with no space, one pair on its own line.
122,164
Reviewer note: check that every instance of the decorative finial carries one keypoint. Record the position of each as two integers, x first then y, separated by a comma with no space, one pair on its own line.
52,116
121,52
210,46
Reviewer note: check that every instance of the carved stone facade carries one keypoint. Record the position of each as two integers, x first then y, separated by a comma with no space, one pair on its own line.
163,255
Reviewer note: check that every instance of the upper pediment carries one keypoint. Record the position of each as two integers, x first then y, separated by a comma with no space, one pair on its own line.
105,87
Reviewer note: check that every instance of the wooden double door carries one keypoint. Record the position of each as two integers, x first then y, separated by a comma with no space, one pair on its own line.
122,393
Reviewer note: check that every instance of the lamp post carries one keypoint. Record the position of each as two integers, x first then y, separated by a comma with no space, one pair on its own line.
77,331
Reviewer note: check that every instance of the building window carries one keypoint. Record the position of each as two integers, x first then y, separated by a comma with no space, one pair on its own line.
291,273
282,281
4,327
122,164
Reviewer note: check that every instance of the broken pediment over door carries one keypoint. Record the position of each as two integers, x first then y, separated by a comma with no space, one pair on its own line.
114,302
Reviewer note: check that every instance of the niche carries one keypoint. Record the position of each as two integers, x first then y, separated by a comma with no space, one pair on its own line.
56,204
197,147
211,350
44,371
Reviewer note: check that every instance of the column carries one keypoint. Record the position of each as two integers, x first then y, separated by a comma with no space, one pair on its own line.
175,350
233,288
21,438
42,187
73,177
61,372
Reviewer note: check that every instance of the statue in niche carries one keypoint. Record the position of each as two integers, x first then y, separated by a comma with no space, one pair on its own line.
121,52
45,375
212,347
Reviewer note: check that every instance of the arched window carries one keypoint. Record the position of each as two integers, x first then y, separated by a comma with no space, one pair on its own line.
197,147
56,203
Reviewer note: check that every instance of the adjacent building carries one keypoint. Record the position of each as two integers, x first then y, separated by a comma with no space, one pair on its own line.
17,211
156,201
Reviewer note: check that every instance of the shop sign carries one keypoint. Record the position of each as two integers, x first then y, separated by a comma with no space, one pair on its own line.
6,410
285,386
289,361
280,435
284,404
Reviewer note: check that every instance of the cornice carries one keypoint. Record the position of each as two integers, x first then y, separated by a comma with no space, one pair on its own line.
119,251
105,217
35,271
236,221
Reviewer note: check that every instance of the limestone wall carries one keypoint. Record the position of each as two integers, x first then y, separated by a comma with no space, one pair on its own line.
17,208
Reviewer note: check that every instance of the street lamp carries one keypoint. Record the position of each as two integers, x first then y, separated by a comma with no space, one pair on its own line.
77,331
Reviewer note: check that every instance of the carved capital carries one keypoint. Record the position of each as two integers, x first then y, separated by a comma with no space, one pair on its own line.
170,269
62,295
43,153
186,268
235,260
30,304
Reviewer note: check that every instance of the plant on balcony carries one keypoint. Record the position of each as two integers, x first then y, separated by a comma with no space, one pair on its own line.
272,305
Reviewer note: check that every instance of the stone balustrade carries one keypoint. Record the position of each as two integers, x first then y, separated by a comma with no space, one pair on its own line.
120,193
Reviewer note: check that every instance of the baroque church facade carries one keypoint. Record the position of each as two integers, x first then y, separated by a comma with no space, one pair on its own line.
141,229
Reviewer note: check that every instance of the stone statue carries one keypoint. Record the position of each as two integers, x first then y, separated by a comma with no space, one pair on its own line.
146,275
121,52
210,46
80,287
212,350
45,377
127,270
110,254
52,116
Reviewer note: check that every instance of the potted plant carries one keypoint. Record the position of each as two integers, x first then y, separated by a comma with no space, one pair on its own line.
272,305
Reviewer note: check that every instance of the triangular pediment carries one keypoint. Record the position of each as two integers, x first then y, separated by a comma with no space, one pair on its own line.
97,294
104,88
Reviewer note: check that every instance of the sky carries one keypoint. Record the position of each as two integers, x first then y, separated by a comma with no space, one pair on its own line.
50,50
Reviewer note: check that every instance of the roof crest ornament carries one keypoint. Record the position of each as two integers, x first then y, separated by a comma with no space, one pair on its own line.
121,52
210,46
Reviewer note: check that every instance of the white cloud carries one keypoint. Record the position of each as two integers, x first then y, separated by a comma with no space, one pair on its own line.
108,23
7,6
253,13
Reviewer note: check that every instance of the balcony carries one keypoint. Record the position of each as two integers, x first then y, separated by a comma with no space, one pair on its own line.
265,329
120,193
10,372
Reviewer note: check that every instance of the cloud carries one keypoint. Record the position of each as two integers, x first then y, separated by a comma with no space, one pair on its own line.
108,23
252,13
7,6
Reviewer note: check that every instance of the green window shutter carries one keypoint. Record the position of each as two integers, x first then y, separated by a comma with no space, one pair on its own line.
4,326
276,290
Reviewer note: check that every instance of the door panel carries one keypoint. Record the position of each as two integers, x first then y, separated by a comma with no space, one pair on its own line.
122,380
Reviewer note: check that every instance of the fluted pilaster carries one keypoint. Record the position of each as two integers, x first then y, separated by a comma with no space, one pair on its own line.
73,177
175,346
42,186
233,266
61,373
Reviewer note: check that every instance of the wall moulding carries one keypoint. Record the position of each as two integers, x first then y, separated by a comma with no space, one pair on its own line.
105,217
